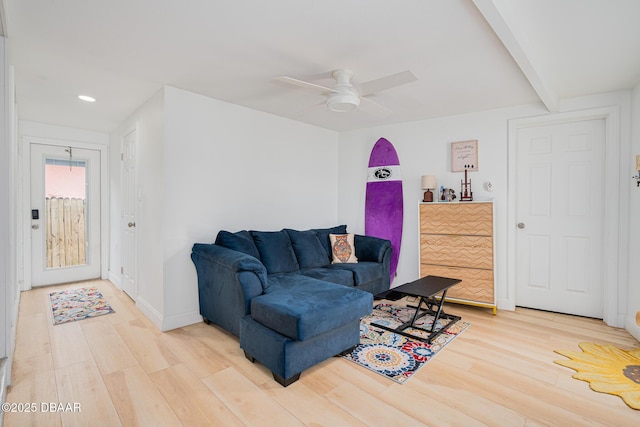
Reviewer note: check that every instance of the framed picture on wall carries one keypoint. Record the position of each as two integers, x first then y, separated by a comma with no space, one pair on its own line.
464,155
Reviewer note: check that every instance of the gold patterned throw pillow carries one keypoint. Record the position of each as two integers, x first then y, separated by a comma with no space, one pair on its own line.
343,248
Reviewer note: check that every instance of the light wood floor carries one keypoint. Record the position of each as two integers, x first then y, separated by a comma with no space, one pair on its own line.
123,371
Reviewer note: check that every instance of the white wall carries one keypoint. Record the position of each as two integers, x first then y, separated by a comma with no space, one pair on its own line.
229,167
633,298
51,134
424,149
148,121
213,165
9,196
115,178
6,180
204,165
62,133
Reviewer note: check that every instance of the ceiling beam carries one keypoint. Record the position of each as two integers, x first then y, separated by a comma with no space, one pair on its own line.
518,52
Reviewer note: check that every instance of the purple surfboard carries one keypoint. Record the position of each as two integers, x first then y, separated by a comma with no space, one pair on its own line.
383,213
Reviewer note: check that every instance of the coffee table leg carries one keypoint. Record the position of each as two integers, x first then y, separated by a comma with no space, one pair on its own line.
439,312
415,315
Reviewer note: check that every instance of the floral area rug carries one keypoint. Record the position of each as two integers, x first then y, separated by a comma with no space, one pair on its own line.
77,304
393,355
607,369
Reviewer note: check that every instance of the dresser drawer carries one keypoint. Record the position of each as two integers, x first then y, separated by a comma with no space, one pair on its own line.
476,285
457,218
457,251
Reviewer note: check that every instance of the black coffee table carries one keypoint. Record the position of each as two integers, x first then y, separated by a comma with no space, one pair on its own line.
427,288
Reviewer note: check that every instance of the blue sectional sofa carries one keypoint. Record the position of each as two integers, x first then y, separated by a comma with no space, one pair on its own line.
280,293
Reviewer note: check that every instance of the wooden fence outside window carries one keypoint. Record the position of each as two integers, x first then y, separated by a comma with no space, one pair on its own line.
66,234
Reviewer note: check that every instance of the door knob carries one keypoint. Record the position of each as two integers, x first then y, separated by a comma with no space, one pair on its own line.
35,226
131,224
521,225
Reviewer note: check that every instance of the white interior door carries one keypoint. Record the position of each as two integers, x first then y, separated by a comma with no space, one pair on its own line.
65,214
129,245
560,211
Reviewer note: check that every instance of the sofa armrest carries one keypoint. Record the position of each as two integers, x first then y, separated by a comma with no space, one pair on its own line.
230,259
373,249
227,281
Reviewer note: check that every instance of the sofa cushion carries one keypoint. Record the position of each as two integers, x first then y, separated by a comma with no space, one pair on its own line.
282,281
363,272
332,275
315,307
323,236
343,249
308,249
240,241
276,251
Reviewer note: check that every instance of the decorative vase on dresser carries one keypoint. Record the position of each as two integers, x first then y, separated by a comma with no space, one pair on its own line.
457,241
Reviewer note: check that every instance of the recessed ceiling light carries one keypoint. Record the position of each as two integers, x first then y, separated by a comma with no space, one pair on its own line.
87,98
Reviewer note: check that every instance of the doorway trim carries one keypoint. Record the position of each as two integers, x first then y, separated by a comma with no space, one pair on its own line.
26,194
611,237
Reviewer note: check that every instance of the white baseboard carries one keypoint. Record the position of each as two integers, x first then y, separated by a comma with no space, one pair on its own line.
4,382
115,279
180,320
168,323
619,321
506,304
149,311
632,327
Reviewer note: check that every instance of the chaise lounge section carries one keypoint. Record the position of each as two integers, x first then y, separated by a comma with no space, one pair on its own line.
281,293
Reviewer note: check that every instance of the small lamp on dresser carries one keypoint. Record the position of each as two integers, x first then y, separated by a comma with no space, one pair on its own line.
428,184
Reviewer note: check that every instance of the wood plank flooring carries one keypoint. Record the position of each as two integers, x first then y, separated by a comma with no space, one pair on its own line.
123,371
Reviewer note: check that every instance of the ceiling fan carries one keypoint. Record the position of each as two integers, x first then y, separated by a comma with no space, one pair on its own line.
346,96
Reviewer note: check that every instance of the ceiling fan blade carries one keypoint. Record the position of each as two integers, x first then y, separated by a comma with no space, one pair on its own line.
303,84
384,83
310,108
371,106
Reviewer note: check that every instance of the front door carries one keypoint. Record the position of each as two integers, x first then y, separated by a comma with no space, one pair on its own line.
559,212
65,214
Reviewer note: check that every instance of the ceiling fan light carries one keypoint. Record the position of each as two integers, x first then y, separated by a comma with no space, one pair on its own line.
341,103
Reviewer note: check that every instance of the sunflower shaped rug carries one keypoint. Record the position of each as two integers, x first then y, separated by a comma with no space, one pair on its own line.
608,369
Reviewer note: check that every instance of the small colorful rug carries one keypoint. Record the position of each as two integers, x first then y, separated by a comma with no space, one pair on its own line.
607,369
77,304
393,355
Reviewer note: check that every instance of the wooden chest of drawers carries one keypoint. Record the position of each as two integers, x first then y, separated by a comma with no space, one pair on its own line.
457,240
